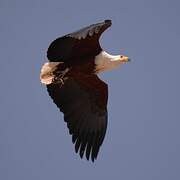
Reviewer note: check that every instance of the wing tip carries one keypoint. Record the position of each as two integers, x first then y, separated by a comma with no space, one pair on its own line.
108,22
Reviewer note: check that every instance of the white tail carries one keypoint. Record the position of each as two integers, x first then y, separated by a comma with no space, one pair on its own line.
46,75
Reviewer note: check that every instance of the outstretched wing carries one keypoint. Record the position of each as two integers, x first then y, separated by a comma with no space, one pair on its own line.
79,44
83,100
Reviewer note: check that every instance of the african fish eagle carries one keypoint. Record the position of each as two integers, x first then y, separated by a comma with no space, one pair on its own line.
71,78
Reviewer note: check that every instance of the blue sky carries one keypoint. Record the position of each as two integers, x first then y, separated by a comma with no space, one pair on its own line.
142,140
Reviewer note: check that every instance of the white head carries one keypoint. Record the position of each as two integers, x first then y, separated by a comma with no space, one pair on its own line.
105,61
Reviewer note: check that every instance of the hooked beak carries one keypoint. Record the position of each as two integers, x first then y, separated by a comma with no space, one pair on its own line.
126,59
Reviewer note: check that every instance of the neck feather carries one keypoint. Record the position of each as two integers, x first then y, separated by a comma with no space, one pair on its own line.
105,61
109,57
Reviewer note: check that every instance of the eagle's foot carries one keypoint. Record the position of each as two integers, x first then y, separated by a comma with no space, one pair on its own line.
60,77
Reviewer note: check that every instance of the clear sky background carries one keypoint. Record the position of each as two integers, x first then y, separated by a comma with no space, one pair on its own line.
143,136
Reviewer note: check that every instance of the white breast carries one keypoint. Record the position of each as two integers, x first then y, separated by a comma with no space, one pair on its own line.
105,62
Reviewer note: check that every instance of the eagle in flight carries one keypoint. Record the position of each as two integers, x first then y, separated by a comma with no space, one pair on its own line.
71,79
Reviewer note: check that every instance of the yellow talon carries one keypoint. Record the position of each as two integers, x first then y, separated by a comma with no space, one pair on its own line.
61,81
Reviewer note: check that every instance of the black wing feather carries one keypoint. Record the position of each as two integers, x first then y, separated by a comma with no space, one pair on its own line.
84,42
84,104
90,31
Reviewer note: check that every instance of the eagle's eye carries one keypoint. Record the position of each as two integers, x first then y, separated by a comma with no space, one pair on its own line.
121,56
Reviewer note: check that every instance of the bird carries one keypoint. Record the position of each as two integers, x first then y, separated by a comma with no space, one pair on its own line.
71,78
